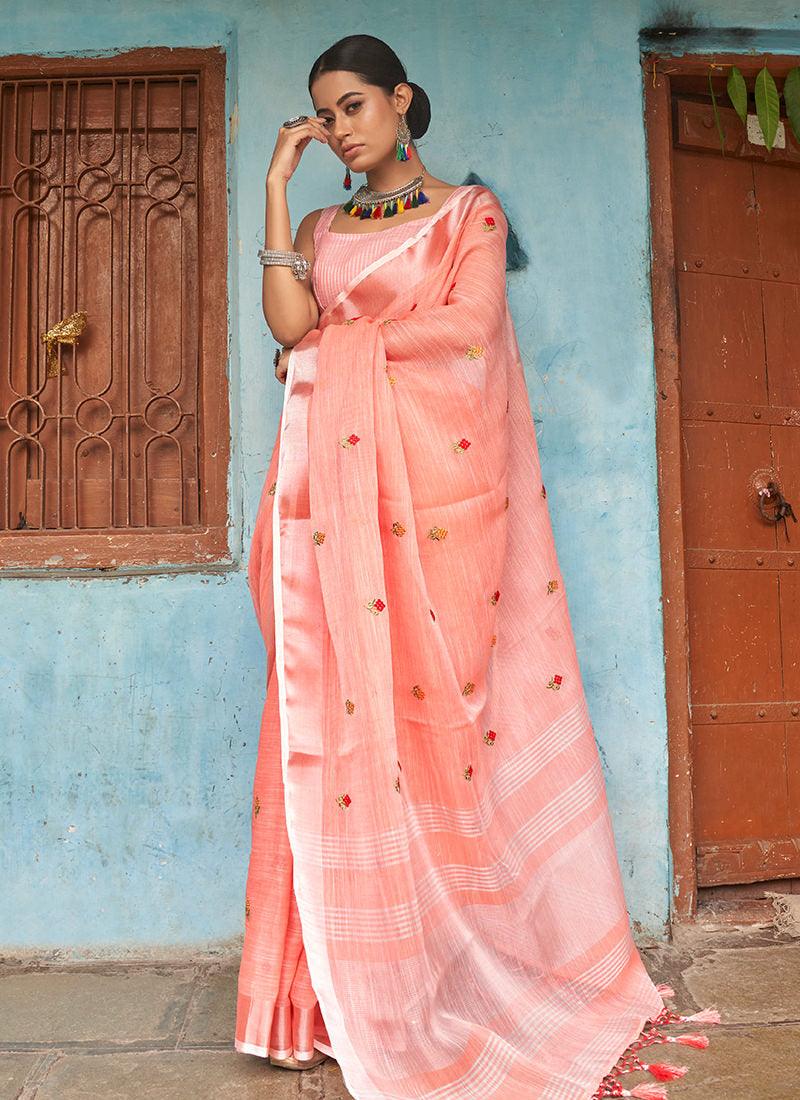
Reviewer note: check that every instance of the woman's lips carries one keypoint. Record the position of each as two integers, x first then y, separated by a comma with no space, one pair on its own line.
353,149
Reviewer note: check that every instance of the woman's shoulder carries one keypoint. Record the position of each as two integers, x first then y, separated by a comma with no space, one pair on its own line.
484,203
484,194
439,191
311,220
308,230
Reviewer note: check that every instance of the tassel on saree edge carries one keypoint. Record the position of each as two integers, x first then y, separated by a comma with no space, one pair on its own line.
652,1034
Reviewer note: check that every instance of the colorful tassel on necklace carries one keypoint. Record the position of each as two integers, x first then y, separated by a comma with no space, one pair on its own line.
387,208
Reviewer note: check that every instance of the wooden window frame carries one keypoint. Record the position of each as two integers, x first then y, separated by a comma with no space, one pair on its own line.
161,549
663,75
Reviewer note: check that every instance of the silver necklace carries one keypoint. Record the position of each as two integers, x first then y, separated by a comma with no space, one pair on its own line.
367,203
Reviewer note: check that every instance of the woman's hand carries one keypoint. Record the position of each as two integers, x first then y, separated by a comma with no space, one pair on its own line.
282,366
289,146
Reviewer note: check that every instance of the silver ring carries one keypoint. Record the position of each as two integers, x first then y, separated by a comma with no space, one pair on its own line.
295,120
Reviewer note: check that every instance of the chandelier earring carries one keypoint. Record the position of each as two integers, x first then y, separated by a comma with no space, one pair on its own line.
403,138
348,183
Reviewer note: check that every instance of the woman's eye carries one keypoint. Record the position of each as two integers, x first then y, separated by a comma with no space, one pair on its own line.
328,122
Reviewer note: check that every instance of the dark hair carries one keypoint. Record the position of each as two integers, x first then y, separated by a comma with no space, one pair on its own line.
378,64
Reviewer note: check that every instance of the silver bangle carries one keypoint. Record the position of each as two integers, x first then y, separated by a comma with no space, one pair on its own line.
295,260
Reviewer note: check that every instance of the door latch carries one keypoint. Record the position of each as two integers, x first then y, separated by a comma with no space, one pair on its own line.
771,496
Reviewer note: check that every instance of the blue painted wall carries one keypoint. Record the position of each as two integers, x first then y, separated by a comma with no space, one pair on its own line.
130,704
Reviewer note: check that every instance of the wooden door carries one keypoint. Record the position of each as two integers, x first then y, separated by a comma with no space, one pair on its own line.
736,222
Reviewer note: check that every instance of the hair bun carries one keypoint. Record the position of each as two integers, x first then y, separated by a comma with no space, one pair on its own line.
418,115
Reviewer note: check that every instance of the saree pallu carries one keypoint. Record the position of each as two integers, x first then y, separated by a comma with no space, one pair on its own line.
430,828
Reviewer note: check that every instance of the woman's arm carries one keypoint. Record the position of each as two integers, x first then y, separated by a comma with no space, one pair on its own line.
289,305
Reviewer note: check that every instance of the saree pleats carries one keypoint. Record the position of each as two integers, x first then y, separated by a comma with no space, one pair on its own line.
433,886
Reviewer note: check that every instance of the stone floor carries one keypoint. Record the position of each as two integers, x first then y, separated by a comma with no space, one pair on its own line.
102,1031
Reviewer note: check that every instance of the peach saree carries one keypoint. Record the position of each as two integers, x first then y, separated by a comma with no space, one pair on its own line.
433,894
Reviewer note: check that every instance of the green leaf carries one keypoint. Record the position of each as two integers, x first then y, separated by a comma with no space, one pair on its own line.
717,118
791,97
737,93
767,106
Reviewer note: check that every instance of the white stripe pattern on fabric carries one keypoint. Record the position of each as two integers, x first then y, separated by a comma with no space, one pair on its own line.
391,845
402,922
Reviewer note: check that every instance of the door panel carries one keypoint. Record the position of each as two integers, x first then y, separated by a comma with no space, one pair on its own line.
789,609
734,770
724,338
782,334
709,202
734,636
719,511
778,214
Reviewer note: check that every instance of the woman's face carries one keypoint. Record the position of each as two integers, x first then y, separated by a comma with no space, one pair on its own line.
359,115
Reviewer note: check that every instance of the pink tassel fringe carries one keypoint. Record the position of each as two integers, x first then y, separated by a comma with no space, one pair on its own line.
707,1016
651,1034
647,1092
664,1072
698,1041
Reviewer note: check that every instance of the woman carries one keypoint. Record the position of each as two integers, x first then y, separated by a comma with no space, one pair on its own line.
433,895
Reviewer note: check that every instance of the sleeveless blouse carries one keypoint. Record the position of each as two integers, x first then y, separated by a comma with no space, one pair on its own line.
338,257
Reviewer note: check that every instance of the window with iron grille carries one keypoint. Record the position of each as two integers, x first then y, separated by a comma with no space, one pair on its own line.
113,310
